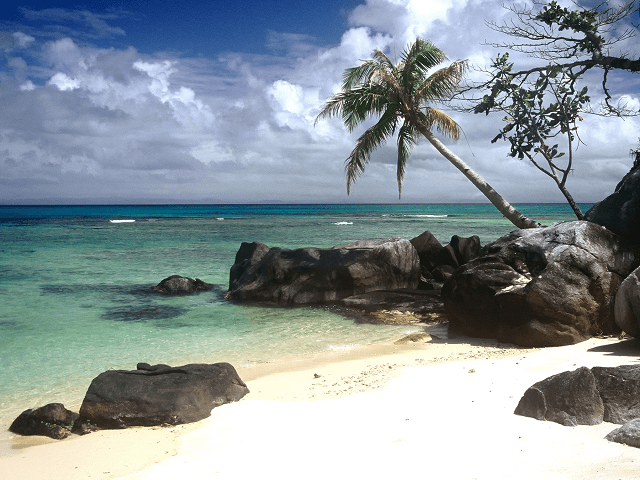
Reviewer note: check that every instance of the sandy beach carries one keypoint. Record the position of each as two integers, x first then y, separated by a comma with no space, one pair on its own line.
436,408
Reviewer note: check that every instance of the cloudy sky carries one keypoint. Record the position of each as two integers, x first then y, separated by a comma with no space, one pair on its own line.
215,102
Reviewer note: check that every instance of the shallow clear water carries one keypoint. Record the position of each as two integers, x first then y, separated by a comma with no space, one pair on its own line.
74,286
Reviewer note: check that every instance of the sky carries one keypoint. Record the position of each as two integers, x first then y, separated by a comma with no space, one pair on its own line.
215,102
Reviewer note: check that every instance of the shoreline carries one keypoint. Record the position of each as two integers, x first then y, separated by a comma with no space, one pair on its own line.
338,386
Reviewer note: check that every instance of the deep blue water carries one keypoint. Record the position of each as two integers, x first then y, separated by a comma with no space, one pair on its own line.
74,285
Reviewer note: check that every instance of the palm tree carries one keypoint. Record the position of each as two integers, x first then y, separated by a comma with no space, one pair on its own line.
402,91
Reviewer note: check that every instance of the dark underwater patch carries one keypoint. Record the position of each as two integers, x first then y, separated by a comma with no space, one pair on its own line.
102,288
144,313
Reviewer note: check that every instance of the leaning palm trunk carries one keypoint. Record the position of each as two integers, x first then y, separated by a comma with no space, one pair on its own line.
494,197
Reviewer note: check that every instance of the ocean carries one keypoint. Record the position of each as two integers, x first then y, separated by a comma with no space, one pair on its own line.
75,286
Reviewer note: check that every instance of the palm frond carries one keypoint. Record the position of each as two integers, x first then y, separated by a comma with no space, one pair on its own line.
443,83
417,59
443,123
364,102
407,140
357,75
371,139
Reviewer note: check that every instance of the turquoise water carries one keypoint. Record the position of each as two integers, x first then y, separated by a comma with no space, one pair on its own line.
74,286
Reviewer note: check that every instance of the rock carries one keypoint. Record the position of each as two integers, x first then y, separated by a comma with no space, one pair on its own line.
177,285
540,287
568,398
52,420
627,304
459,251
620,211
428,248
424,305
413,338
619,388
628,434
585,396
313,275
159,394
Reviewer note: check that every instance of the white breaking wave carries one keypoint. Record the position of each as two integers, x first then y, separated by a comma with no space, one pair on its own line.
219,218
344,223
428,216
121,221
336,348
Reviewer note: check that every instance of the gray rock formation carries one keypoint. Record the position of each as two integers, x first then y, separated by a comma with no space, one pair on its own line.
568,398
627,304
620,211
314,275
628,434
160,394
51,420
585,396
540,287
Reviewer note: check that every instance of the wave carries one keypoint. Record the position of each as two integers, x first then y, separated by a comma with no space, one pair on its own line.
343,223
427,216
219,218
122,221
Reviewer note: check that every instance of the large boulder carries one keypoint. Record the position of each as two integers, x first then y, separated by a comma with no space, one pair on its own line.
540,287
178,285
568,398
314,275
428,248
585,396
620,211
159,394
619,388
52,420
440,262
627,304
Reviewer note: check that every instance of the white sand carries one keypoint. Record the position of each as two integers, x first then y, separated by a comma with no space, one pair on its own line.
416,418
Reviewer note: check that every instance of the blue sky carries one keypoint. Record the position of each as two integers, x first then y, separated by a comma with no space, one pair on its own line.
198,102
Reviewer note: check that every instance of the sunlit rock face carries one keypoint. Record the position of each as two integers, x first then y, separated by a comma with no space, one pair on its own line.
540,287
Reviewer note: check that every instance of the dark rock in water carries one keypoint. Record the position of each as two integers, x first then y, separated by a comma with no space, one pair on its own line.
248,256
159,394
620,211
540,287
314,275
619,388
52,420
177,285
628,434
568,398
144,313
627,304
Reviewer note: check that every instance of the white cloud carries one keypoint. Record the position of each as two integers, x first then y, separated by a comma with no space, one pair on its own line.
27,86
22,39
240,128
